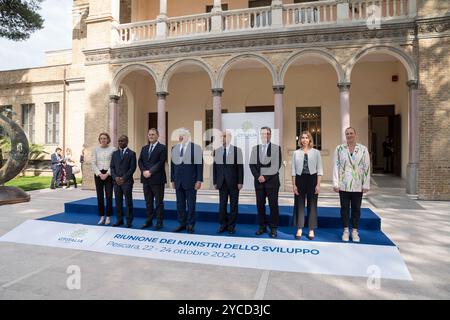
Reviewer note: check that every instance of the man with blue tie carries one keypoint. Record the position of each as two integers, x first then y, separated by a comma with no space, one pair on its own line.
265,163
152,161
123,165
187,177
228,178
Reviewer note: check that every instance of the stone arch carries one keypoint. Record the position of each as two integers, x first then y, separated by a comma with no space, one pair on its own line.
323,54
126,70
180,63
227,66
404,58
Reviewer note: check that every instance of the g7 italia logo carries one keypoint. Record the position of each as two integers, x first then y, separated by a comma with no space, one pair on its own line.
247,125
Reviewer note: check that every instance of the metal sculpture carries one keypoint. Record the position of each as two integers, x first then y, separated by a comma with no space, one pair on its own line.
17,160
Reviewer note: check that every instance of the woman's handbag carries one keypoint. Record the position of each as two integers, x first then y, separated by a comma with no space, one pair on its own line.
76,169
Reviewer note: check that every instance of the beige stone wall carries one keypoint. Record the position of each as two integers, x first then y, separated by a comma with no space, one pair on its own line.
38,95
434,115
432,7
75,125
96,117
26,77
56,58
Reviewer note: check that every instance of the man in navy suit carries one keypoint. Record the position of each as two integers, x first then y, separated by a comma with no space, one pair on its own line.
187,178
56,159
123,165
152,161
228,178
265,163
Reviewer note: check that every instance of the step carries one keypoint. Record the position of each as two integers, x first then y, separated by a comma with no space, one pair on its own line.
328,217
372,237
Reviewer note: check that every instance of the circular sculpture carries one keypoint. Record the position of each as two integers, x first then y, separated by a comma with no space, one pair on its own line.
16,162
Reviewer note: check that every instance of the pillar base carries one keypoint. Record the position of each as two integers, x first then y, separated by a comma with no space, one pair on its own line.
10,195
411,178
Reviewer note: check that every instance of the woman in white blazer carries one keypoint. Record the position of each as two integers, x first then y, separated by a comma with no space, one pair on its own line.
307,172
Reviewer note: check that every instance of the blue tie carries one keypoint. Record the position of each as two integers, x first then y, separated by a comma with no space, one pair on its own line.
224,155
150,151
182,151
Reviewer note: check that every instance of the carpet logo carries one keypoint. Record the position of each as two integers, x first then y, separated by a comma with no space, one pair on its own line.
76,236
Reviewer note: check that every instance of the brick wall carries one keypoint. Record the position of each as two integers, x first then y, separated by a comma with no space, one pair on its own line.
434,117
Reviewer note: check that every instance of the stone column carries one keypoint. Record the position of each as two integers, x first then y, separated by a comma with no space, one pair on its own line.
161,20
216,19
162,116
278,102
412,8
277,14
217,108
343,9
344,92
113,111
413,162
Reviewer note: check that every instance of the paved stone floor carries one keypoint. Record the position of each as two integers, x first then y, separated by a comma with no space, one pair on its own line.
421,230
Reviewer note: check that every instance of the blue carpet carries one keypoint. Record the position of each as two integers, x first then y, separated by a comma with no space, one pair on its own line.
328,217
374,237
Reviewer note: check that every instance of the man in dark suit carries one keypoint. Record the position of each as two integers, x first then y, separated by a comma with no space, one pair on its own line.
152,162
265,163
56,159
187,178
123,165
228,177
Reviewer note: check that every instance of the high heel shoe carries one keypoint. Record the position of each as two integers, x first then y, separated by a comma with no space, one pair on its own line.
311,235
298,235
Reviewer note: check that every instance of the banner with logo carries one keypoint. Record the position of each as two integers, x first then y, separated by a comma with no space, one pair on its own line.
245,128
344,259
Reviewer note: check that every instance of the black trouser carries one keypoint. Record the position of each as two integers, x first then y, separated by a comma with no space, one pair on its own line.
272,195
106,186
154,193
70,176
306,187
232,193
186,198
126,190
354,199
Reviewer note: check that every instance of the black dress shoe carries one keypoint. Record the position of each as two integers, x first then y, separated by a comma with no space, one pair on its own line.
222,229
158,226
190,229
273,233
129,225
231,229
146,225
261,230
179,228
118,223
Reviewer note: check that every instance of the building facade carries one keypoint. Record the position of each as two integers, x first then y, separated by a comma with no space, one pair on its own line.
380,66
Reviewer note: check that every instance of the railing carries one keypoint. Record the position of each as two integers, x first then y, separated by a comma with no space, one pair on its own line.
189,25
134,32
310,13
331,12
384,9
247,19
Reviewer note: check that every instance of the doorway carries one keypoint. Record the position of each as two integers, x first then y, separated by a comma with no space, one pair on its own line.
153,123
385,139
